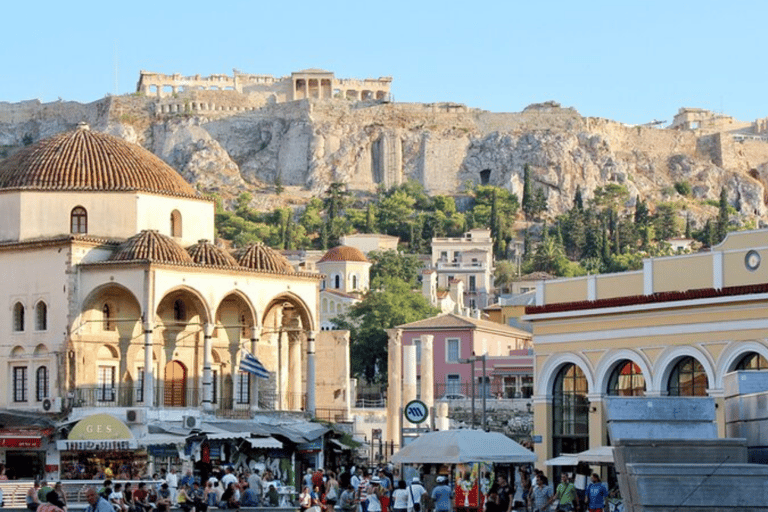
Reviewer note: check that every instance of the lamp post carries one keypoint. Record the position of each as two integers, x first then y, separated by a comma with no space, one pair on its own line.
471,360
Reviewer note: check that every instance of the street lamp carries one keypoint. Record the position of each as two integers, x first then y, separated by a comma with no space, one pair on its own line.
471,360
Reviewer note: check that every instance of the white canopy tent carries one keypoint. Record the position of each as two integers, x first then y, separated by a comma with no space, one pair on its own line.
463,446
565,459
599,455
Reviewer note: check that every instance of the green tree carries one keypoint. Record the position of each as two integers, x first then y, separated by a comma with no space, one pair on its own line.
405,267
504,275
665,221
528,199
539,201
391,303
335,200
578,202
395,211
722,217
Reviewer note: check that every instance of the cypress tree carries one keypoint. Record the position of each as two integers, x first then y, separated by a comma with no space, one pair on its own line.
578,202
528,200
722,217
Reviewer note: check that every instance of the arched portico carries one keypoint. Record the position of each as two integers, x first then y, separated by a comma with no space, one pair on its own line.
612,359
733,353
548,372
667,360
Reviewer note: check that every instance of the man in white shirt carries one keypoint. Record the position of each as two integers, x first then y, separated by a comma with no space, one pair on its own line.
172,479
228,478
415,492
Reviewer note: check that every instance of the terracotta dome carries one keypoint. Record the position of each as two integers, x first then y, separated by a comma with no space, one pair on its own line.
260,257
344,253
84,160
149,245
205,253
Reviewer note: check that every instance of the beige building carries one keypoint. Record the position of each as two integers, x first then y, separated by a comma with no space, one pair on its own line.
116,300
468,259
370,242
674,328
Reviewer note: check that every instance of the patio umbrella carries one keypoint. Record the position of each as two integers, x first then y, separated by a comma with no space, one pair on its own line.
565,459
599,455
463,446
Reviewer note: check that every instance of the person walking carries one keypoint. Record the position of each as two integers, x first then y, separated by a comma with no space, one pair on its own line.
399,498
441,495
595,494
565,495
415,493
541,494
374,495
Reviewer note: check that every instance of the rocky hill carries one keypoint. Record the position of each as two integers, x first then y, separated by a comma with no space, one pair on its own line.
225,145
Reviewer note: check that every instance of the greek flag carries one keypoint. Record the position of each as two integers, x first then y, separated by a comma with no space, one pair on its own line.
250,364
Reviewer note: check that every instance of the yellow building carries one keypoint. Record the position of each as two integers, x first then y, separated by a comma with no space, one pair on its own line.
674,328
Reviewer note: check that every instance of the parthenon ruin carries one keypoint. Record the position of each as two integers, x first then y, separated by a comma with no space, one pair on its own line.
309,83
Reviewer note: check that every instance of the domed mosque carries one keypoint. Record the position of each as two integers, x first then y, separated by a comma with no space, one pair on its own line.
119,302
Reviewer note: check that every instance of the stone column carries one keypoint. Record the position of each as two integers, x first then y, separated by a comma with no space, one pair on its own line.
409,374
427,370
207,372
394,396
254,379
294,370
311,380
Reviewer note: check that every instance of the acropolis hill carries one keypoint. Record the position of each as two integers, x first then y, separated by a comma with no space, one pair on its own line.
249,132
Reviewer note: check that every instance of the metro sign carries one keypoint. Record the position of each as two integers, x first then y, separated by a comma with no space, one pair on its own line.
416,411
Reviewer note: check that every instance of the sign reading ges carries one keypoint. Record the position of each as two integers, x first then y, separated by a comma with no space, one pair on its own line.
416,411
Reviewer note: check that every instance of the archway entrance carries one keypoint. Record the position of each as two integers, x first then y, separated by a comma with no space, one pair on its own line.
175,379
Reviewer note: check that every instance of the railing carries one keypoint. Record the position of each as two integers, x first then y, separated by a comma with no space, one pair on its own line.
331,414
459,265
371,396
493,390
181,396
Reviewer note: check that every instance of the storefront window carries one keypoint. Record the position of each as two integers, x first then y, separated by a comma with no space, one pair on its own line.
626,380
570,411
688,378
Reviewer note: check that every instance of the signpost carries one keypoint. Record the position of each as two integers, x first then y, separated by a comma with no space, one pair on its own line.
415,412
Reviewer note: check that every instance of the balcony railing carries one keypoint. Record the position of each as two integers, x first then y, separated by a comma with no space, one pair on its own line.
461,265
179,396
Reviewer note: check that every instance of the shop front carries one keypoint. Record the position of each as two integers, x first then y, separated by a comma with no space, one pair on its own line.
99,446
23,450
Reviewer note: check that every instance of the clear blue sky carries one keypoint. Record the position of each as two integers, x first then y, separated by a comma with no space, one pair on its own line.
632,61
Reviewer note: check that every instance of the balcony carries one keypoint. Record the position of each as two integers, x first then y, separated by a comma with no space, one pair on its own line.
229,405
474,266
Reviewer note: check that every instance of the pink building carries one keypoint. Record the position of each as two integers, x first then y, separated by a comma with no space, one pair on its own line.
509,356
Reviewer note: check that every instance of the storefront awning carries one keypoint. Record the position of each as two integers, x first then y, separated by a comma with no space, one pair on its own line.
264,442
161,439
23,437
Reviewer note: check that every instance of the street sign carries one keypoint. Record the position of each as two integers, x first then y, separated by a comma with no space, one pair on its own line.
416,411
376,433
537,439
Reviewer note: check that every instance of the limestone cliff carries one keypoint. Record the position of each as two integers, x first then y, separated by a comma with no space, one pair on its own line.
305,145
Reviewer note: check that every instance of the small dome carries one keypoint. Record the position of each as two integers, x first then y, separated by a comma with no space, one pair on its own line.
205,253
149,245
260,257
344,253
90,161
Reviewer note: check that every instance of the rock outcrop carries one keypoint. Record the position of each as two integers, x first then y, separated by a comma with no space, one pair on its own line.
305,145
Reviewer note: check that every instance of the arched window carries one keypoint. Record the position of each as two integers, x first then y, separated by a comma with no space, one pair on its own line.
179,310
41,391
337,281
752,361
41,316
570,411
354,281
688,378
18,317
78,221
176,223
626,380
108,322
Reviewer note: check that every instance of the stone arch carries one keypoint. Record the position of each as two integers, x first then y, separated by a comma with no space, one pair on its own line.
18,351
194,298
485,177
125,311
305,314
552,366
732,354
41,350
254,317
611,359
235,319
666,362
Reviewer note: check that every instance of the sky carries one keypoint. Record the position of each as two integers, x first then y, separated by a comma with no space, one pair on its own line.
630,61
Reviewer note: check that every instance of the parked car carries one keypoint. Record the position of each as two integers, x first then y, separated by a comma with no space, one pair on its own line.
453,396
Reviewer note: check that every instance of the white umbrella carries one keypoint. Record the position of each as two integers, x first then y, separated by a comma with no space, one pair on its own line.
463,446
599,455
565,459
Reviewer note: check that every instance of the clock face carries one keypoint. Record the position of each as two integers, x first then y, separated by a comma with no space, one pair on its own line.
752,260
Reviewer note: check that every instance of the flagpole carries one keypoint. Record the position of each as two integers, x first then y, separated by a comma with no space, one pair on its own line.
254,379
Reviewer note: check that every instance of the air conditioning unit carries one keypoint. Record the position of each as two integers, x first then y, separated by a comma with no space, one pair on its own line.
190,422
51,405
135,416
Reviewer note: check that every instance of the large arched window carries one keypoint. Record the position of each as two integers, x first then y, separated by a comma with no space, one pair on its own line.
41,316
570,411
688,378
337,281
176,223
41,389
626,380
752,361
18,317
78,220
354,281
